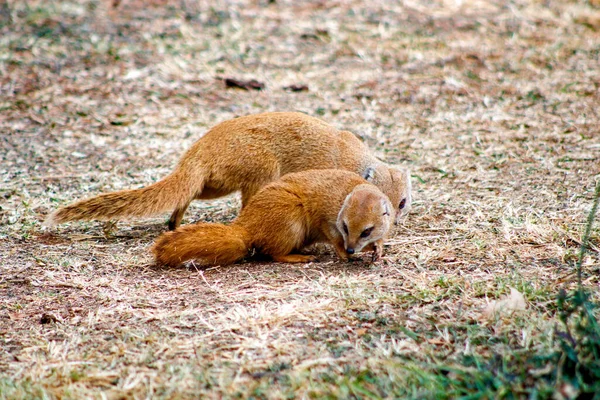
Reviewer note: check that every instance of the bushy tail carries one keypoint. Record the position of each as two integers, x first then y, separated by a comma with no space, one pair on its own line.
210,244
174,191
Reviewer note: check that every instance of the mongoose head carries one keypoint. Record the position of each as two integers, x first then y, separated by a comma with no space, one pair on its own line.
394,183
365,217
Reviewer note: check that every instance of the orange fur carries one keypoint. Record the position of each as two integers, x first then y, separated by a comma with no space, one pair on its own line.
244,154
285,216
172,191
216,243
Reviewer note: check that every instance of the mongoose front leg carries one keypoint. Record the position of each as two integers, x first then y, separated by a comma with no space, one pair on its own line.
338,245
294,258
377,250
341,252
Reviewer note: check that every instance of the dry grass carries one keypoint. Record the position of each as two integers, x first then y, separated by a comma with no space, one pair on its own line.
492,105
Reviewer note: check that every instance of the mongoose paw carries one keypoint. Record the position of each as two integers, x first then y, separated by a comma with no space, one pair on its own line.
343,256
377,252
294,258
174,223
375,257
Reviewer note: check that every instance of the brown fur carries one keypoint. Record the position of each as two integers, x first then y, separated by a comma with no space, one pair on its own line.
244,154
285,216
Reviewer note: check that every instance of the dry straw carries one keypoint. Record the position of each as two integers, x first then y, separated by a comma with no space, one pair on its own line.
492,105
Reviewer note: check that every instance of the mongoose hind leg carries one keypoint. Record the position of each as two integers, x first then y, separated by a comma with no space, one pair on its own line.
207,193
177,216
294,258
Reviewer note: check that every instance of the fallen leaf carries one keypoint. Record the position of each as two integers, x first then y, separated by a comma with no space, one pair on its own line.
296,88
246,85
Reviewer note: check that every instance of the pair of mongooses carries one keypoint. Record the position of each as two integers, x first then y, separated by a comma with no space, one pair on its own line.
317,201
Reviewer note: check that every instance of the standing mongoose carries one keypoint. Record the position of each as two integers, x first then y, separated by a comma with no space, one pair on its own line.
245,153
287,215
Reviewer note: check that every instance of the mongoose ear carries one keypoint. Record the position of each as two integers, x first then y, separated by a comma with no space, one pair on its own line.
356,135
386,208
408,183
369,174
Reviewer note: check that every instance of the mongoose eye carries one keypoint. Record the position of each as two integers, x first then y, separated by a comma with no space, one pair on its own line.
402,204
366,232
345,228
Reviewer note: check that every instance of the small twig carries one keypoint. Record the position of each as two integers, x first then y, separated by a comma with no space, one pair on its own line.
214,268
60,176
201,273
413,240
55,283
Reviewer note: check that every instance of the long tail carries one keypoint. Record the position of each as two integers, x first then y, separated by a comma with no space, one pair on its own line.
173,191
210,244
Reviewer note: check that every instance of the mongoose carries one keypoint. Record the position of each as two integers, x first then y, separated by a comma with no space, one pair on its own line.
245,154
285,216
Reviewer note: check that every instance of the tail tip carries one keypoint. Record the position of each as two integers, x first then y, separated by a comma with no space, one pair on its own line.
50,220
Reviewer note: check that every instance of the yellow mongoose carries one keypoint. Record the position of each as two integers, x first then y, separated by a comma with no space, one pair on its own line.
245,154
285,216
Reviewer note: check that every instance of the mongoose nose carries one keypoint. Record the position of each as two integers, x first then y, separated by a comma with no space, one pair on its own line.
350,250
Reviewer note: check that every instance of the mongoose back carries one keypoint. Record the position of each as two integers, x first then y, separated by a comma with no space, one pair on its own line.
245,154
285,216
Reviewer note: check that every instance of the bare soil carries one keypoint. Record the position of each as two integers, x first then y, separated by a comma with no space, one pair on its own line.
493,105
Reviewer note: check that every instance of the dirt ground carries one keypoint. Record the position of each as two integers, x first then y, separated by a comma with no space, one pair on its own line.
492,105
